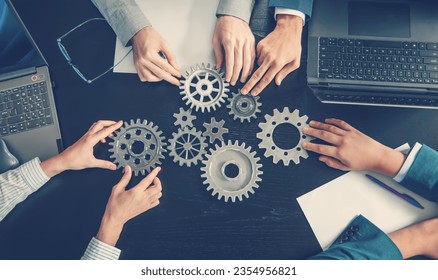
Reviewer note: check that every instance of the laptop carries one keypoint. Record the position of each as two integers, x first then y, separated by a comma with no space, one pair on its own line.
28,120
374,52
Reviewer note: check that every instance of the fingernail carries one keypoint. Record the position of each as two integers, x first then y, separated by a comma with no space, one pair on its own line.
243,91
233,83
312,122
322,159
304,144
305,129
254,93
127,168
113,167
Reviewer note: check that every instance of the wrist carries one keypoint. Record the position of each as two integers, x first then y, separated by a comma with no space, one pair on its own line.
53,166
290,22
389,162
109,231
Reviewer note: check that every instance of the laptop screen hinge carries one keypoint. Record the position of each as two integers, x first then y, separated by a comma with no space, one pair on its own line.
18,74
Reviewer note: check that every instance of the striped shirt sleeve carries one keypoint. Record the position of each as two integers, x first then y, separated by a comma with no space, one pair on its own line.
16,185
98,250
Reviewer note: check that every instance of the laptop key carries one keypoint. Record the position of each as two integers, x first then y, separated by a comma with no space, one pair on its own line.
15,119
4,131
33,123
329,49
433,75
428,60
432,46
429,53
431,67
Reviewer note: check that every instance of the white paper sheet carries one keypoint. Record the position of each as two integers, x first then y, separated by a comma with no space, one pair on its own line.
186,25
331,207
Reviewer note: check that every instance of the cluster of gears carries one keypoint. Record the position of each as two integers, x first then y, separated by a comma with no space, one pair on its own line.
231,170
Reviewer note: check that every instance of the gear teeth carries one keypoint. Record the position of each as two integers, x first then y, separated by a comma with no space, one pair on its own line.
138,162
214,80
267,142
217,184
185,136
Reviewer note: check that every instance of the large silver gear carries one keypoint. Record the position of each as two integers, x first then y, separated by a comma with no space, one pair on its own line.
215,130
204,87
138,144
268,127
187,146
244,107
226,186
184,118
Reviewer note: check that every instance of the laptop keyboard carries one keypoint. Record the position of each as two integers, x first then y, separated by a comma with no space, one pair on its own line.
24,108
383,61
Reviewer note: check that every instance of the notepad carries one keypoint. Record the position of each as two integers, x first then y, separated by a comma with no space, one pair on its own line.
186,25
332,206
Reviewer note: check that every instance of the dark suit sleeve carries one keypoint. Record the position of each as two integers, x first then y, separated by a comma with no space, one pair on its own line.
422,176
361,240
304,6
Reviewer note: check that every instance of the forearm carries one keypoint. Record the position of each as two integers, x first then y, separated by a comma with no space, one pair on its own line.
389,161
53,166
16,185
124,16
109,231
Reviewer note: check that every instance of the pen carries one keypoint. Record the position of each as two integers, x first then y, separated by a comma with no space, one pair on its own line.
404,196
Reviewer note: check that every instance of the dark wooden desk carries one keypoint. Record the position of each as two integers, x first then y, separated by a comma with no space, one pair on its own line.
58,221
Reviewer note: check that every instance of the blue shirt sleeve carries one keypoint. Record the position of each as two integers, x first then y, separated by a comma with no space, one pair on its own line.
422,176
361,240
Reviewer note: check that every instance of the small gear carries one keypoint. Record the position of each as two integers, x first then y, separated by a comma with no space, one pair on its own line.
204,88
268,127
187,146
215,130
138,144
244,107
184,118
226,182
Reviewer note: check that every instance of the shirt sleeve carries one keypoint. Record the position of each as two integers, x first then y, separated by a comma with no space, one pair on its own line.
285,11
124,16
408,163
237,8
98,250
304,6
361,240
16,185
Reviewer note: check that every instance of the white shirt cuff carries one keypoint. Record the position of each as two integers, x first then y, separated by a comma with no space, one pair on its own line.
285,11
98,250
33,174
408,163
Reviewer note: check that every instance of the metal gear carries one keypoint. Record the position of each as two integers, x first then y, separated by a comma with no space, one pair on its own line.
184,118
268,127
244,107
187,146
215,130
138,144
226,185
204,87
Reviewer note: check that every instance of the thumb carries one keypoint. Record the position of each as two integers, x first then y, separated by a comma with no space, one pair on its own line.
104,164
125,179
334,163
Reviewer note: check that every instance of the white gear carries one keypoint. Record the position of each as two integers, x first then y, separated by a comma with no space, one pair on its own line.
184,118
204,87
268,127
138,144
227,185
187,146
244,107
215,130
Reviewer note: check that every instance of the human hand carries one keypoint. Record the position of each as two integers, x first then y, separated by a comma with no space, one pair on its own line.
147,45
80,155
350,149
277,55
124,205
234,41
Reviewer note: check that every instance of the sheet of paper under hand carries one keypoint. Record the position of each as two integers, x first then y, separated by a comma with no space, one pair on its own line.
332,206
186,25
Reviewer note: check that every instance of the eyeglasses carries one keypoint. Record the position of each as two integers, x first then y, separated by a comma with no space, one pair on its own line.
69,60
